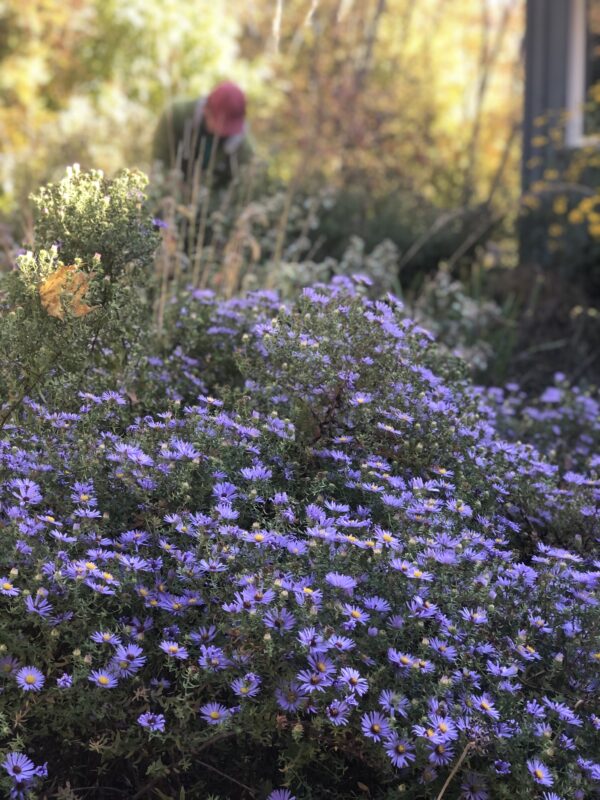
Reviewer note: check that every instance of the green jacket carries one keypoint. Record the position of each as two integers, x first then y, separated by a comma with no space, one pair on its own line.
181,140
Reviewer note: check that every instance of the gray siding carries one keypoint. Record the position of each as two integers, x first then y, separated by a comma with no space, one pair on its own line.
546,60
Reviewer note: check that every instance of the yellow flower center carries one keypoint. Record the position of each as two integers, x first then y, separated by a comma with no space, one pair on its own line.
103,680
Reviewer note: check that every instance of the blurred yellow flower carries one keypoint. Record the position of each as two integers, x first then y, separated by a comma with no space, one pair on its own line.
560,205
576,216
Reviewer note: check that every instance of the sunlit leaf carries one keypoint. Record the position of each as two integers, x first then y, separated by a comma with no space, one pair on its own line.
66,288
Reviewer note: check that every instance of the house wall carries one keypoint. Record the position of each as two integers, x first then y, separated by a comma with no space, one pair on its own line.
547,41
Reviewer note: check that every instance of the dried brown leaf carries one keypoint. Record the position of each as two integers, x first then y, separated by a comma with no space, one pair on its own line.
66,280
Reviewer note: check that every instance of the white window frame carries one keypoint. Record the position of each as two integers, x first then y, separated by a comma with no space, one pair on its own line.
576,88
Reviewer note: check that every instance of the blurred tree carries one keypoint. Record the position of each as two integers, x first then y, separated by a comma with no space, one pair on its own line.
85,80
384,95
424,95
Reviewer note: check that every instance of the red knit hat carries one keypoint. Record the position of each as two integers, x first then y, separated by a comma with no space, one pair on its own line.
226,106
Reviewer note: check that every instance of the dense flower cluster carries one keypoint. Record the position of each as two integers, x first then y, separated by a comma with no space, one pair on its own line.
334,557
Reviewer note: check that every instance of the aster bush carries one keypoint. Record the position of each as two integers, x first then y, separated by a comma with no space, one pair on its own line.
78,302
310,560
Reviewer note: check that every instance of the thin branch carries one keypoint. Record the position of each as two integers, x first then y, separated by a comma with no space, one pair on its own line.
488,57
227,777
472,240
276,27
371,38
463,755
421,241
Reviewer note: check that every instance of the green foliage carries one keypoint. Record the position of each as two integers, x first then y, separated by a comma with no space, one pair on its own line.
87,214
81,299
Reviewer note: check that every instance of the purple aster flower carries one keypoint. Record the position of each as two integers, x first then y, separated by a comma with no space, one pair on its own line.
536,709
30,679
214,713
128,660
248,686
280,620
20,768
204,635
540,772
477,616
352,679
339,581
355,615
38,605
313,681
360,398
154,722
174,650
281,794
103,678
402,660
565,714
485,704
256,473
311,638
376,603
7,588
341,643
226,511
106,637
212,658
323,664
65,681
441,754
290,696
444,649
375,726
474,787
444,728
8,666
26,491
400,751
337,712
393,703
